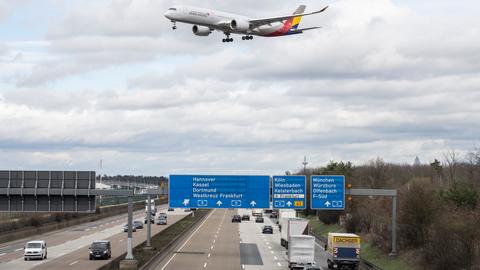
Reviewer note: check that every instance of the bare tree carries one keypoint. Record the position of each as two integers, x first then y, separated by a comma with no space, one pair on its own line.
451,164
376,173
473,165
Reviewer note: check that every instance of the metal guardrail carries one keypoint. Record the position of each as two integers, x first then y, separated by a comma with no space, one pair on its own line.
363,263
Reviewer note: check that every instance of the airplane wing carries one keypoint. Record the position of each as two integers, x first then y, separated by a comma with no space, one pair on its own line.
259,22
299,31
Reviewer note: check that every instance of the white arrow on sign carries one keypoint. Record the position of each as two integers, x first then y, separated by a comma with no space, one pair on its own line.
253,203
289,203
328,204
219,203
186,202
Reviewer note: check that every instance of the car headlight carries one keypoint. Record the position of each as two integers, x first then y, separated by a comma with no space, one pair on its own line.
91,252
105,252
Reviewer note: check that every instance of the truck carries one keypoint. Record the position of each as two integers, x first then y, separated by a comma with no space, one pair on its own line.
343,251
257,212
153,209
301,254
285,213
293,226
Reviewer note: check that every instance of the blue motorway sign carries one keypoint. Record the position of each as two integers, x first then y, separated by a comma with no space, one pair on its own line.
289,192
219,191
328,192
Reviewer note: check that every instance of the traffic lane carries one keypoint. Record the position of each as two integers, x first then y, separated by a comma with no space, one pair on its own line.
273,255
68,246
64,248
320,255
226,250
79,259
213,245
14,250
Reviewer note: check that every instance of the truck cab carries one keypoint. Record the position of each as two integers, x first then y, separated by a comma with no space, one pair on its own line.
343,251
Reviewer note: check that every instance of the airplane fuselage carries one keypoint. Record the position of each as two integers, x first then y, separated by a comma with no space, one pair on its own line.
218,20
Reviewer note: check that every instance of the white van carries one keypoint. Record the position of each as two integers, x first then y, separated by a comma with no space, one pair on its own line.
35,250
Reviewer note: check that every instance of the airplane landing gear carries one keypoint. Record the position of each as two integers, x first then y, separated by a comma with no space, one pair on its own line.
247,37
228,39
174,27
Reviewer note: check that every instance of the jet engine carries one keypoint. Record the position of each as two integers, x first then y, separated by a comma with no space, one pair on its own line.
239,25
201,30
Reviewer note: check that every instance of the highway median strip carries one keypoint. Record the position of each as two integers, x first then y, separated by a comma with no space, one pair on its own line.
161,242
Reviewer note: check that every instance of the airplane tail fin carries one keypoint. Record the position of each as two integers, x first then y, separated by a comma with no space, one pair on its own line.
292,24
300,9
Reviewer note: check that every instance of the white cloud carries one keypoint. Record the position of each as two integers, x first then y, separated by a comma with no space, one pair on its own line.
8,6
113,81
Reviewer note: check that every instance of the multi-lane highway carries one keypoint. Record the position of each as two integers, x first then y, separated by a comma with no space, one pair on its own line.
220,244
68,248
216,243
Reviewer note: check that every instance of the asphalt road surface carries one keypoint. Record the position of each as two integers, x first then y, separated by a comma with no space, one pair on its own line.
220,244
68,248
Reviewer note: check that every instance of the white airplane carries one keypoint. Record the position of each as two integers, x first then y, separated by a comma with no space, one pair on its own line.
205,21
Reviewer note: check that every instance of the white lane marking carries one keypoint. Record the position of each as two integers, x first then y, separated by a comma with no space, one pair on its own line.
211,247
121,240
3,254
18,249
279,264
271,251
184,244
209,255
319,246
94,227
101,225
214,241
87,229
243,266
204,265
269,247
73,263
275,257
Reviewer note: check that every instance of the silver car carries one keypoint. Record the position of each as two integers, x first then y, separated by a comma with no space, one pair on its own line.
125,228
162,221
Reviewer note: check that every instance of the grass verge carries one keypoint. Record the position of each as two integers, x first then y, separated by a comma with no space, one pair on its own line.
377,257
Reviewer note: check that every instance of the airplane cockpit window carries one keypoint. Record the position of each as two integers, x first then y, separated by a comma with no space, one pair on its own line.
172,9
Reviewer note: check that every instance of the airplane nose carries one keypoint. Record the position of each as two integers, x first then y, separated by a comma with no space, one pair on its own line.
168,14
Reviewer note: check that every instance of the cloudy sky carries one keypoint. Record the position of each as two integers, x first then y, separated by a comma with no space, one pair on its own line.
83,80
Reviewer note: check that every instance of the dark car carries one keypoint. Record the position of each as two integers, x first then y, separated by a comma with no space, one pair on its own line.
163,214
100,249
170,210
259,220
236,218
187,210
162,221
152,219
138,224
125,228
273,215
267,229
246,217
